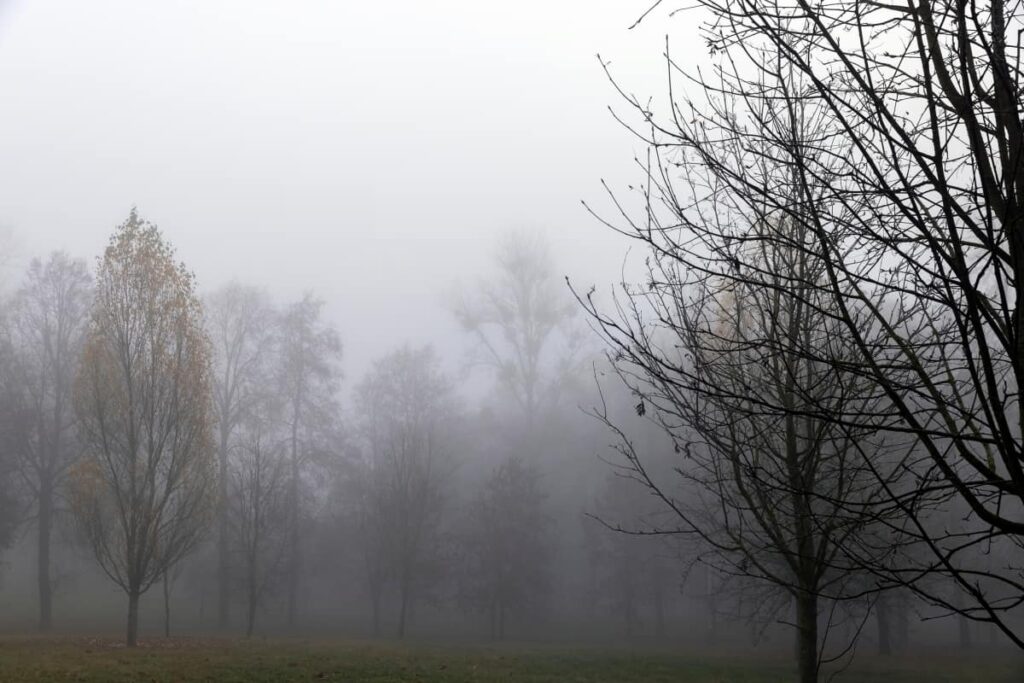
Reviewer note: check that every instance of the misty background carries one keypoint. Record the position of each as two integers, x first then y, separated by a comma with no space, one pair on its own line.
377,156
370,152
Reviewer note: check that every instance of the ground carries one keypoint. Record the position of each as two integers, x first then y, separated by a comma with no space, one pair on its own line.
221,660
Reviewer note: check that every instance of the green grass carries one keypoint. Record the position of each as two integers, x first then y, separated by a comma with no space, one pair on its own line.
188,659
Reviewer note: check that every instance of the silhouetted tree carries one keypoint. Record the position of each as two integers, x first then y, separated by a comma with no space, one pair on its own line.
911,188
775,491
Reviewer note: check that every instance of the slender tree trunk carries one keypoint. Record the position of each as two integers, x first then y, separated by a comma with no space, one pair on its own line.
132,638
293,524
43,559
493,619
223,558
807,636
167,605
250,621
659,616
882,621
712,600
404,608
375,599
251,594
629,617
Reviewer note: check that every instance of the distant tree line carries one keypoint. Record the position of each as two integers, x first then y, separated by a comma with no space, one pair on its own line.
162,432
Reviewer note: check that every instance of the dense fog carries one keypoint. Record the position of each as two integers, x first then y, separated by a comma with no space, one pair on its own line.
423,320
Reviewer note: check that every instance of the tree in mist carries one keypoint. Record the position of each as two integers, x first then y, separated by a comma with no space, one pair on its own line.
144,491
506,544
308,384
918,152
367,512
259,501
407,407
14,432
521,322
771,489
632,573
242,325
48,320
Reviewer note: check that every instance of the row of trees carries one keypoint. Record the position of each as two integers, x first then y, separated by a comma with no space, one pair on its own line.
830,331
155,423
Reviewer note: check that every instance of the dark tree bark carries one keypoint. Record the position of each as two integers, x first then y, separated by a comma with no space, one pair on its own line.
807,636
132,634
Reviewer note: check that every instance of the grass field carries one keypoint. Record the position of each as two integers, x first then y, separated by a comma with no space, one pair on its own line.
185,659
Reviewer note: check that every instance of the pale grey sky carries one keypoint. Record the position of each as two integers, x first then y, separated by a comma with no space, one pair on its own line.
369,151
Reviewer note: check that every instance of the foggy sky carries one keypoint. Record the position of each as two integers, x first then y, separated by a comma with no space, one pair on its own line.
369,151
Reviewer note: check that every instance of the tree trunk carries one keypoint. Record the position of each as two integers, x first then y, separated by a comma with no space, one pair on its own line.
375,599
882,621
43,559
250,622
293,524
223,558
167,606
492,615
807,636
132,638
404,608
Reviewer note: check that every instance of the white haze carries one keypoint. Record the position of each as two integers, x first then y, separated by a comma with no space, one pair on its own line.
371,152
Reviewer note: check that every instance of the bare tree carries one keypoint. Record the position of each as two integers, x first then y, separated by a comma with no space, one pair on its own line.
917,151
366,505
632,573
522,323
49,316
309,378
242,325
259,500
407,409
506,544
775,491
145,489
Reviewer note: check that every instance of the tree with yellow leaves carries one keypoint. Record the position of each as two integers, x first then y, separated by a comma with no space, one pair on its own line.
144,493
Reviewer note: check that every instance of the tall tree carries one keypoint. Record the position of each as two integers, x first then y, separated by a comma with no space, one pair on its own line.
259,513
309,377
774,490
145,489
521,321
242,325
918,151
407,409
49,317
